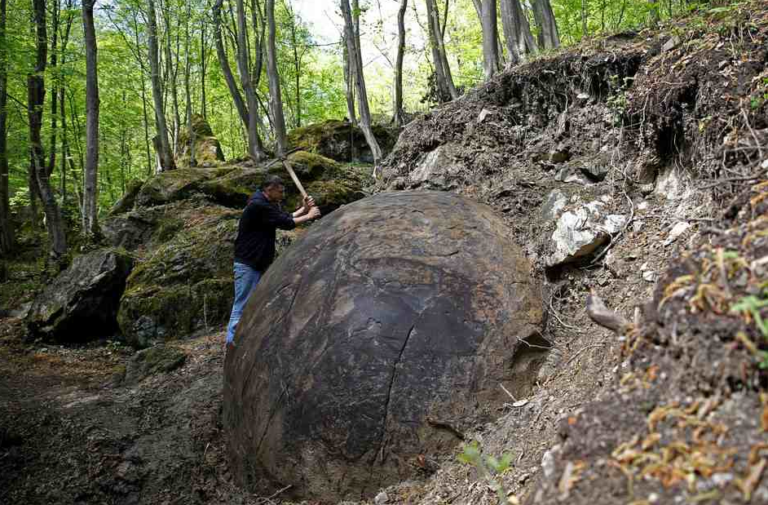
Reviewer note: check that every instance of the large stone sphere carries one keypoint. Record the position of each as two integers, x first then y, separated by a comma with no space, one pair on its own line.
374,341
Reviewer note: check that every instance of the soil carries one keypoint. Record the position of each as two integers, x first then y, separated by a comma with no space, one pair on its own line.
672,410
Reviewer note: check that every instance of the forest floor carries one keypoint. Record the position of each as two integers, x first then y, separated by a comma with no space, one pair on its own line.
672,410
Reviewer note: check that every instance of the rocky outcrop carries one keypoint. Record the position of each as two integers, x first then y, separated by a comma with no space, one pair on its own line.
128,200
182,225
82,302
207,147
341,140
378,337
183,284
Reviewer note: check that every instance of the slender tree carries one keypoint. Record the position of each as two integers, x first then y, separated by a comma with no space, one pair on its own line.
549,38
255,148
517,31
399,115
54,83
490,36
162,145
6,230
275,99
356,68
62,84
444,80
91,176
221,53
187,88
349,87
35,103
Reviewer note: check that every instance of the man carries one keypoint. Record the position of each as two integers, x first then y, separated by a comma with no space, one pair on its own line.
255,242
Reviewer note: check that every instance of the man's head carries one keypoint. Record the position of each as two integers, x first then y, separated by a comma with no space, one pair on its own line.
273,188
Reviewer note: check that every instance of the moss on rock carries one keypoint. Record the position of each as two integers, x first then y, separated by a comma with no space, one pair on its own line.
127,201
207,147
184,284
234,188
340,140
176,185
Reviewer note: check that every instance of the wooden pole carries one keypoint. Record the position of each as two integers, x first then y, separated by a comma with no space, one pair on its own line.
296,181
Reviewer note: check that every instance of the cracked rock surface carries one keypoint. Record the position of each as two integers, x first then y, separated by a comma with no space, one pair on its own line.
376,339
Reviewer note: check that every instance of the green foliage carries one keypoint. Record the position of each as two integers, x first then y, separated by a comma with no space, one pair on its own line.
311,73
489,467
753,305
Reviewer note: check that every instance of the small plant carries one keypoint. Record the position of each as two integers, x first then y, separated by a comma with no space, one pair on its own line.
489,467
752,306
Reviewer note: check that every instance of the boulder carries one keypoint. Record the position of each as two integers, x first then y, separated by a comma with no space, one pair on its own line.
127,201
323,178
207,147
379,335
176,185
185,284
341,140
129,230
82,302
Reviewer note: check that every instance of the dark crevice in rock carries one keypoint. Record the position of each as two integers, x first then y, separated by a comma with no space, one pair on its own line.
389,395
272,413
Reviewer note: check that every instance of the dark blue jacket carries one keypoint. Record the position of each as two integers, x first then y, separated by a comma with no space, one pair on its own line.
256,233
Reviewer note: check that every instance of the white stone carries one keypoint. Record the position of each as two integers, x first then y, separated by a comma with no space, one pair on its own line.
614,223
381,498
676,231
548,462
580,231
649,275
554,202
483,114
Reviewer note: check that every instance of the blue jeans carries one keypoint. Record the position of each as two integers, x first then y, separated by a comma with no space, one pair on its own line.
246,279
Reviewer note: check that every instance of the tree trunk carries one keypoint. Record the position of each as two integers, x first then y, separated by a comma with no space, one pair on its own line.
187,91
6,229
399,117
255,148
164,147
145,114
275,99
349,87
172,65
35,103
490,35
203,68
221,53
356,69
62,108
517,31
54,85
584,14
446,89
296,67
549,38
91,176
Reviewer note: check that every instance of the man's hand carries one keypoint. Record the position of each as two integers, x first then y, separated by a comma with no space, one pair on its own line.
309,202
312,213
